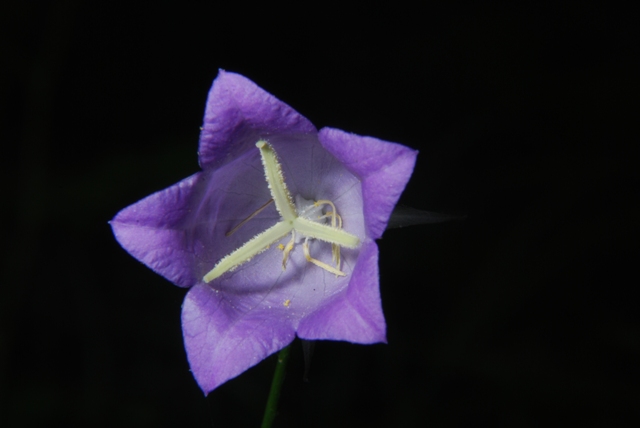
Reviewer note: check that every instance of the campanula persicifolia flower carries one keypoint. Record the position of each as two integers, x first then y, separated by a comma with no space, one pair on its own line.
275,237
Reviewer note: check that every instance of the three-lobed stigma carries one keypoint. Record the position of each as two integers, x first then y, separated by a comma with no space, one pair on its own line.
291,222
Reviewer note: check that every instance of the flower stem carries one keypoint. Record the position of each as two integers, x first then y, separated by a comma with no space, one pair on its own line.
276,386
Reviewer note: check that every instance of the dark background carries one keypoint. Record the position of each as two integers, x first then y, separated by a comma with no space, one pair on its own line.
526,314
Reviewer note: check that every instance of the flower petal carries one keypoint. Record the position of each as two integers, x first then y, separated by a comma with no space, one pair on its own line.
355,315
239,113
152,231
223,340
383,167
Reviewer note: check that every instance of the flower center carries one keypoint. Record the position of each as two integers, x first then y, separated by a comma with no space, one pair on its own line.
310,222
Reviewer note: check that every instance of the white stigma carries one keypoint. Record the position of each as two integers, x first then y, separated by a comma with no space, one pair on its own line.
291,222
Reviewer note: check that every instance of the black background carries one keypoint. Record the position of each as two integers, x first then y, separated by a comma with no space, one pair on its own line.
525,314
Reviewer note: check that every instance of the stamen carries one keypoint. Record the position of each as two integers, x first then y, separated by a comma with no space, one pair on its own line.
288,249
255,213
335,248
305,249
330,214
333,207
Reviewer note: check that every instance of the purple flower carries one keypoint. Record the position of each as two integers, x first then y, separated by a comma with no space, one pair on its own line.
239,318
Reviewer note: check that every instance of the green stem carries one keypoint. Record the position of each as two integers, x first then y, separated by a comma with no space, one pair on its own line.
276,386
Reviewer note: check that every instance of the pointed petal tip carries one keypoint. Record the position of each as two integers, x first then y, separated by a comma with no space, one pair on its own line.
237,110
356,315
223,340
383,166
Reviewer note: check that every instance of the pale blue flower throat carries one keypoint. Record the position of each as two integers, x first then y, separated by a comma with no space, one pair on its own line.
291,222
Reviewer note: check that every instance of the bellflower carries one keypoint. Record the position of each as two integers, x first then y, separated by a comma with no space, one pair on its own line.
254,303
